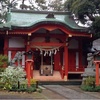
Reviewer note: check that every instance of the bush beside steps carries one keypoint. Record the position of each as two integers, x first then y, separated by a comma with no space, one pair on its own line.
90,88
89,85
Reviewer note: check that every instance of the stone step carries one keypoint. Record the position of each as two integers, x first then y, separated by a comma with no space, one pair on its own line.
69,82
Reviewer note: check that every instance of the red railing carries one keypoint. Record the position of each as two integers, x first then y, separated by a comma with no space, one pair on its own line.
76,69
72,69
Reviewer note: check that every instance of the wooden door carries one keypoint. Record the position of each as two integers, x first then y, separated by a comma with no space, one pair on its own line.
72,60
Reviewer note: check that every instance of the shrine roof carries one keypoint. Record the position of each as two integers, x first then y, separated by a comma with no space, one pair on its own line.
27,19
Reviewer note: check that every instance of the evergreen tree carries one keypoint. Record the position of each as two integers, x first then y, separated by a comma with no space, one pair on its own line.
57,5
86,11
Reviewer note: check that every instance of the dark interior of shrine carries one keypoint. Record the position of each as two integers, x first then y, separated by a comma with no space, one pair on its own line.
1,45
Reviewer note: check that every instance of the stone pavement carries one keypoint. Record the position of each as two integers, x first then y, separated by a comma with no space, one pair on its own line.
52,92
73,92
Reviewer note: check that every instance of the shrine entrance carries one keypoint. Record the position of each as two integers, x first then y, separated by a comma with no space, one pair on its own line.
44,63
44,66
46,55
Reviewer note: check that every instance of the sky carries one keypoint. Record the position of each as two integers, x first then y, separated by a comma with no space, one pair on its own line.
27,2
48,1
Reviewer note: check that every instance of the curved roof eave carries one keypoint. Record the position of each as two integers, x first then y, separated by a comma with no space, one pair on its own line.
50,21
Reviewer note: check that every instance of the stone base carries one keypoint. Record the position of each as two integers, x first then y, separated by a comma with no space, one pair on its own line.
89,72
65,78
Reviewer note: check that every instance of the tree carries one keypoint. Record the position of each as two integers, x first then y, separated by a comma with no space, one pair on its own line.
67,4
57,5
83,9
96,27
86,11
4,8
9,3
22,7
38,5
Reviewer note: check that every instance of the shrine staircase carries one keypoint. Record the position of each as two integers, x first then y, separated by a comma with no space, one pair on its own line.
55,79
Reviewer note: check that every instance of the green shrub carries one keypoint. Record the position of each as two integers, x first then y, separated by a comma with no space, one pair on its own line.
31,89
1,85
97,89
87,88
11,76
13,79
33,83
3,61
89,85
90,88
89,81
39,90
24,87
2,70
14,88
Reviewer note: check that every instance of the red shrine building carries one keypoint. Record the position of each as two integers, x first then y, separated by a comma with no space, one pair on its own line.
55,41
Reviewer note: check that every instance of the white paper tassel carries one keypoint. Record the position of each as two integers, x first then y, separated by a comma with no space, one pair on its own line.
41,52
55,51
45,53
50,53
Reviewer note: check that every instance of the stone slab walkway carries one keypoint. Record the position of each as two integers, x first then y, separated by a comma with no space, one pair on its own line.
52,92
73,92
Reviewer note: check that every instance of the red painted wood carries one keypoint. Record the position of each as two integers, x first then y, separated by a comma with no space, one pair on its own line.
2,32
57,65
6,46
32,68
49,27
66,60
29,62
28,71
97,74
27,49
47,44
16,49
62,72
80,54
72,60
53,35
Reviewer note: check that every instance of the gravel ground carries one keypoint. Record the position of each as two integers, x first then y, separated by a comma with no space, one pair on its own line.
45,95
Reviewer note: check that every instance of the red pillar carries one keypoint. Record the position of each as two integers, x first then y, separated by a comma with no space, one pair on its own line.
57,61
97,74
80,54
28,70
29,63
32,67
6,46
27,49
66,62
